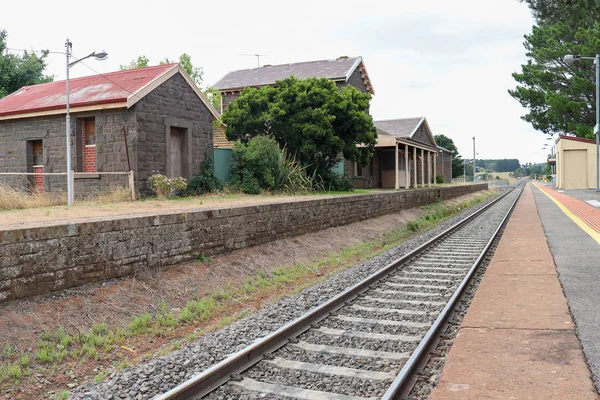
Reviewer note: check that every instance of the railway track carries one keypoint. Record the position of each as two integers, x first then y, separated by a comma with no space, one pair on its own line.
369,341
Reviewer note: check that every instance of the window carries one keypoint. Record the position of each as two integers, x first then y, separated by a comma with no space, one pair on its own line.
35,163
89,131
358,171
85,135
37,152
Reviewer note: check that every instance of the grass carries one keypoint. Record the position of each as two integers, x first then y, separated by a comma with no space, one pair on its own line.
212,311
14,199
116,195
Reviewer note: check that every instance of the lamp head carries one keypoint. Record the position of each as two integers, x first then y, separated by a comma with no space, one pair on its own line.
101,55
571,58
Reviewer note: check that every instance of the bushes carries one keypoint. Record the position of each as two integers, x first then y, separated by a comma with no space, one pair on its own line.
262,165
163,186
439,178
205,180
337,183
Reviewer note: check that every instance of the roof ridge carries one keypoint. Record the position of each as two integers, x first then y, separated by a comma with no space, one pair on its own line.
109,74
398,119
295,63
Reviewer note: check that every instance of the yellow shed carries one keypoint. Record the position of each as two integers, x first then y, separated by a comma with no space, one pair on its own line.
575,163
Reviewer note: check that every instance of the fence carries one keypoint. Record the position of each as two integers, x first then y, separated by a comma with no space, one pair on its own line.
80,181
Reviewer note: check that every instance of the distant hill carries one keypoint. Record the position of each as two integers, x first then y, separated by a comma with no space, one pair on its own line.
500,165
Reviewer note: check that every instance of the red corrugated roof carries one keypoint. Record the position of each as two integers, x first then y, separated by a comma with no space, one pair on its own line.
90,90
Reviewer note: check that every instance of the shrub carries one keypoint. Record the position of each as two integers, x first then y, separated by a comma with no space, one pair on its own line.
255,164
261,164
249,183
439,178
290,176
205,180
163,186
336,182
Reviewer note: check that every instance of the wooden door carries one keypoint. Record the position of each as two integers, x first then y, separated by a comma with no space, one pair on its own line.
575,162
175,158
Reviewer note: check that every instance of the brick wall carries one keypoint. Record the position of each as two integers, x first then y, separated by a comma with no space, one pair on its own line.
38,260
38,180
89,158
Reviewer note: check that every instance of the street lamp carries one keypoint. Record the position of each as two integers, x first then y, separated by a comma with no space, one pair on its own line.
569,59
101,55
473,159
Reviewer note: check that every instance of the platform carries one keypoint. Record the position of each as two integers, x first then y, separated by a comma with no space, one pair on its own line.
518,340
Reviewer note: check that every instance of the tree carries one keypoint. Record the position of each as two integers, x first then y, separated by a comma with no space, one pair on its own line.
140,62
185,60
499,165
17,71
560,97
314,119
457,162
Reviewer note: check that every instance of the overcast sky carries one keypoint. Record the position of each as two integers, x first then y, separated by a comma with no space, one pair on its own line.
450,61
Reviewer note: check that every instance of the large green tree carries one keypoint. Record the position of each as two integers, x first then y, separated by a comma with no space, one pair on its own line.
185,60
17,71
312,118
457,162
560,96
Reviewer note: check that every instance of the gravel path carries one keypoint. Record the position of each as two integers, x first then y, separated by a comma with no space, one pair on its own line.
160,374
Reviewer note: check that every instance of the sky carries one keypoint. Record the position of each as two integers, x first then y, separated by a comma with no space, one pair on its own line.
449,61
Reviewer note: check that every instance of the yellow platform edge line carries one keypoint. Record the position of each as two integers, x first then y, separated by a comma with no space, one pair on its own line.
587,229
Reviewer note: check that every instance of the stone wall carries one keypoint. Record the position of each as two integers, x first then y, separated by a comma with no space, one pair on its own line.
40,260
173,103
110,148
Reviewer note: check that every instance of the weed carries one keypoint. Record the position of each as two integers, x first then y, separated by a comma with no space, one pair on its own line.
45,353
203,259
139,325
122,365
99,376
24,361
64,395
186,315
89,351
100,329
8,351
13,372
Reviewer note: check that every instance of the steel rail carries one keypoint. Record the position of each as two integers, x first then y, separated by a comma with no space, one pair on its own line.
399,385
215,376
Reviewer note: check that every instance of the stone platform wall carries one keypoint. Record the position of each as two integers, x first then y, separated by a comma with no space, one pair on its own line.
41,260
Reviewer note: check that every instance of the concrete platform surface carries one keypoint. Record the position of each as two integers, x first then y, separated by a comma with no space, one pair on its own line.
518,340
570,225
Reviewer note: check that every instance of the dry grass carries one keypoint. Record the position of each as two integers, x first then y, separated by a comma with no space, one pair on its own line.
116,195
14,199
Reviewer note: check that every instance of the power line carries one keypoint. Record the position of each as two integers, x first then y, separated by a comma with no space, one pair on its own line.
36,51
110,80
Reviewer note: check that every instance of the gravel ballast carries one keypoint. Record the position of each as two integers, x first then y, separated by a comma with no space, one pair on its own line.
160,374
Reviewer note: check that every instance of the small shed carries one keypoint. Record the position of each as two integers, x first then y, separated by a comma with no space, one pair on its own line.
575,163
146,120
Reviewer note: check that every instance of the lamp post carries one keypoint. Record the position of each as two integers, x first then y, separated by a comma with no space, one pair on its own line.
101,55
569,59
473,159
